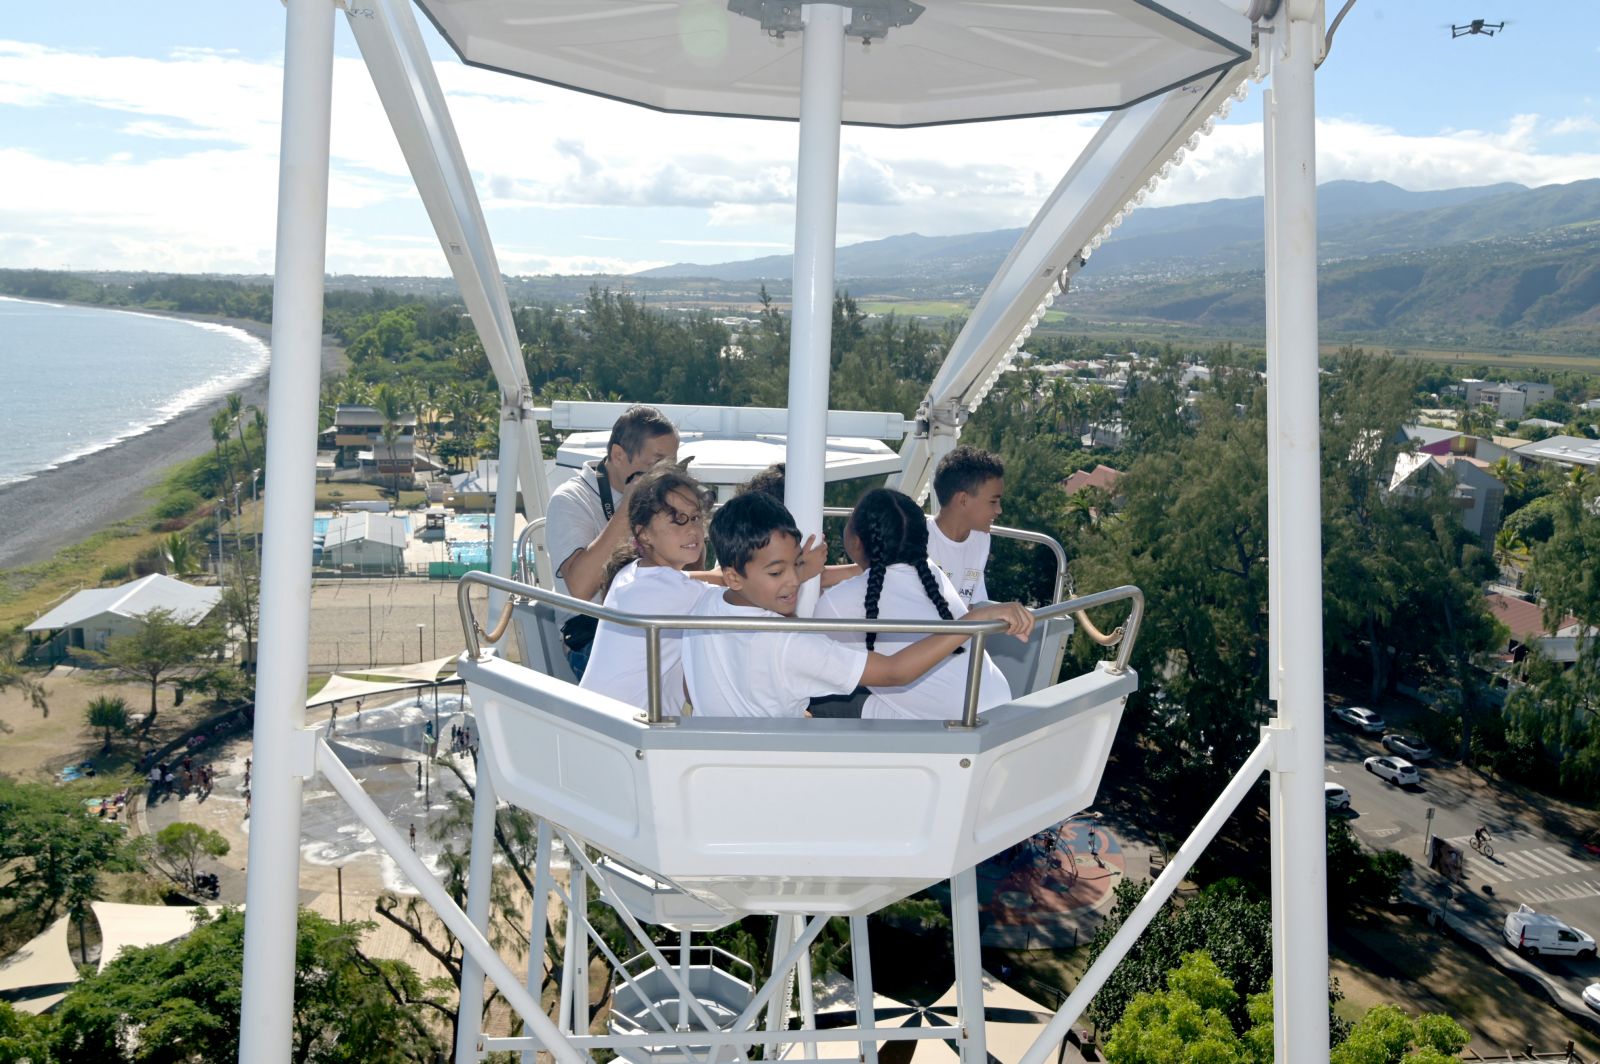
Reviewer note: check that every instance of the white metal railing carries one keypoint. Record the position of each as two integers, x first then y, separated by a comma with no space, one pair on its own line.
1123,637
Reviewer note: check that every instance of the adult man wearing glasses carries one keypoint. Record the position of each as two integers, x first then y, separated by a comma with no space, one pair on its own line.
587,519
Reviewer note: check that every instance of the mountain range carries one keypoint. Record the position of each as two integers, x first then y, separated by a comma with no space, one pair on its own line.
1485,264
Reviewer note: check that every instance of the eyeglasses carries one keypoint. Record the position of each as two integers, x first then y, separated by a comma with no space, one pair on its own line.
681,519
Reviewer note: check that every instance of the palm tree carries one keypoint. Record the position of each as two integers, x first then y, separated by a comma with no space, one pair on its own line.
178,550
108,712
388,404
219,437
236,415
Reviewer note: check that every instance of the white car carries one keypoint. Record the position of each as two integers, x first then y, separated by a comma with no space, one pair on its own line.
1396,770
1591,996
1336,796
1408,746
1358,717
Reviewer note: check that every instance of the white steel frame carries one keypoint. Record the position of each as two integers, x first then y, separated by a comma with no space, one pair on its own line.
1126,157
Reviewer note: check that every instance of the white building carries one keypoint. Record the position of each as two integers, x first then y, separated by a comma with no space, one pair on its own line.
365,541
1563,450
93,616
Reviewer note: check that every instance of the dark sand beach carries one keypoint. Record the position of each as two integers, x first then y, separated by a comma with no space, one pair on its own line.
70,503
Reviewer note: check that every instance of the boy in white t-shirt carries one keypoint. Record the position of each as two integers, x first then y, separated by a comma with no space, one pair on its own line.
776,674
968,484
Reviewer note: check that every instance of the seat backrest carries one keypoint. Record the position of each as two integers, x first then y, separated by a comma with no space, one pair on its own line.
1034,665
539,638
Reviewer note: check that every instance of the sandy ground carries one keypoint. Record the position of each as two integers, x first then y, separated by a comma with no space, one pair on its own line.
66,505
342,640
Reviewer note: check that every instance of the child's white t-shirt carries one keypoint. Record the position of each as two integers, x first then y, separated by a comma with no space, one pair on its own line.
941,693
617,660
962,562
763,674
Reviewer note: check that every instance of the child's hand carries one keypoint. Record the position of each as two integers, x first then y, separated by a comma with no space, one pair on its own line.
1018,618
813,557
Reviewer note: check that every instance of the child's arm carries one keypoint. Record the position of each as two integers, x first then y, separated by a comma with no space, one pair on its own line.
908,665
814,560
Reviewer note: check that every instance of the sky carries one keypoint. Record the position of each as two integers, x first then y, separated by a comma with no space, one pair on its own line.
144,136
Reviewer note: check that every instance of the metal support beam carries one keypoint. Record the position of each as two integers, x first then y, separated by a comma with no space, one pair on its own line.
402,72
969,966
816,222
1129,148
272,893
1162,889
861,971
1299,816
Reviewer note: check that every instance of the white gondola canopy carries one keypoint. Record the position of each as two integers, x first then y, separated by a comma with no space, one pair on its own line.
951,61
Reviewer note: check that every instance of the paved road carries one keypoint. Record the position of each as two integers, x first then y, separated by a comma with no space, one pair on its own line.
1553,875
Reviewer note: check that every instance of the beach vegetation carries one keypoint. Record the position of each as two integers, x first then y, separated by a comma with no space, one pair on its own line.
109,713
240,605
15,676
177,850
181,1001
160,650
178,553
54,855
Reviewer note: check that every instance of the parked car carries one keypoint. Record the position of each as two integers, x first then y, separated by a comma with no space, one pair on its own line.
1394,769
1591,996
1336,796
1408,746
1363,719
1534,933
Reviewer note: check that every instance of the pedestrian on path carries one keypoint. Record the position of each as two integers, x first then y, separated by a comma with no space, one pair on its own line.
413,838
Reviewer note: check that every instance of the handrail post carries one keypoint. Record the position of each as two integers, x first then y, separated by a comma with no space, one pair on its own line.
969,710
652,674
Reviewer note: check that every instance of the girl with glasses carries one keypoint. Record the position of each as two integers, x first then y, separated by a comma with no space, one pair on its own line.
667,511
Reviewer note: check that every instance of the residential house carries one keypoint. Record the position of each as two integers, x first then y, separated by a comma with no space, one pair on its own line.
1526,630
94,616
1102,477
1477,494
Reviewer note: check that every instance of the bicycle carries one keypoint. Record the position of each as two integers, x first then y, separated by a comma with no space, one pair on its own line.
1482,845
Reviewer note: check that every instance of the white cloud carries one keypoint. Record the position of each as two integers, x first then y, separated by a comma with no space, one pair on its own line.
191,182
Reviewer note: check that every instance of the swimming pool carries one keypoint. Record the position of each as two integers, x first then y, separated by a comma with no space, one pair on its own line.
467,523
469,553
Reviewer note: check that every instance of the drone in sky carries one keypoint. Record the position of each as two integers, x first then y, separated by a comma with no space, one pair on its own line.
1476,26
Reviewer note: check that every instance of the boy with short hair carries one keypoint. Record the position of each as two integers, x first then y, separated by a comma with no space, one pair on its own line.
968,484
776,674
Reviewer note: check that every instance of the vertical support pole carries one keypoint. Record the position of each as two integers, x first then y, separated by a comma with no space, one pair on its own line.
480,870
538,922
861,972
806,985
685,968
1299,828
579,976
969,966
784,930
272,893
816,221
480,866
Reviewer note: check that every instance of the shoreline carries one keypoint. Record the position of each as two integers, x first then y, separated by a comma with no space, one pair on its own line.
61,507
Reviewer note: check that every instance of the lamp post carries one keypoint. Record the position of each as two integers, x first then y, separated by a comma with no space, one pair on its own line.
420,627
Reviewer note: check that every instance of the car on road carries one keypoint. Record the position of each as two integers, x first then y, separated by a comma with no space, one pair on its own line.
1360,718
1396,770
1336,796
1591,996
1533,933
1409,747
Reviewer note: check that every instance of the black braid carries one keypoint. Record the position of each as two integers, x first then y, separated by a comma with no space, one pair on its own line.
935,596
874,587
894,531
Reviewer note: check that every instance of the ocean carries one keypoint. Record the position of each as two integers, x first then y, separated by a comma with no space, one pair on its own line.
81,379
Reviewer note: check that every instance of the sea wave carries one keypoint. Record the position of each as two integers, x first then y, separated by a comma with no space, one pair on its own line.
180,403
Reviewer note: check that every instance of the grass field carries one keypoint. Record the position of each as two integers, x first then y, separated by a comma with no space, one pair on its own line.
929,309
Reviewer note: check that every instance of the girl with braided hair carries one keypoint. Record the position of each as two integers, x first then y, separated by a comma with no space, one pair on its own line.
888,537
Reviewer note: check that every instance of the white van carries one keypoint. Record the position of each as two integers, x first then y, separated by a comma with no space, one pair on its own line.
1534,933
